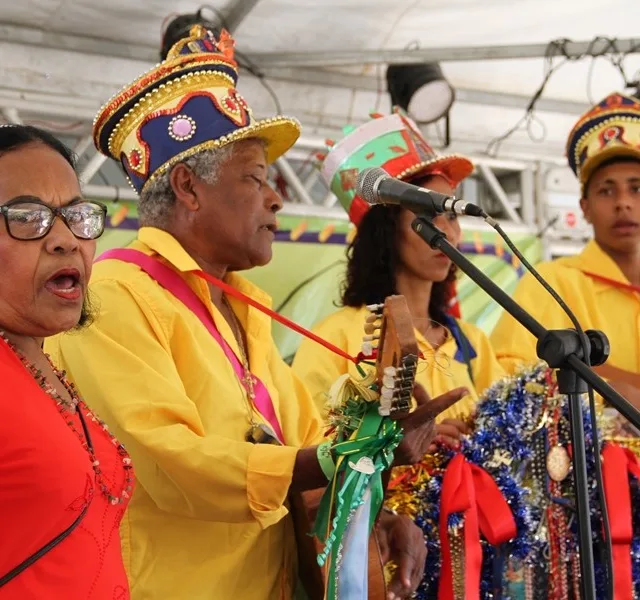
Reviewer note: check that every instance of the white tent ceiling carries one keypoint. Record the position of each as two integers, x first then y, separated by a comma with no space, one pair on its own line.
61,59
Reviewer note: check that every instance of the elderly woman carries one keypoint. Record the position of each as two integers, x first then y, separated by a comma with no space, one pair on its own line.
65,479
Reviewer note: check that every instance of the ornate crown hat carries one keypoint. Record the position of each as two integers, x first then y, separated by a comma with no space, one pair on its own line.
392,142
611,128
186,104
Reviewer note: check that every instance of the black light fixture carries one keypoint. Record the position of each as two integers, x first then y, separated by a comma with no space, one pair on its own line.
421,90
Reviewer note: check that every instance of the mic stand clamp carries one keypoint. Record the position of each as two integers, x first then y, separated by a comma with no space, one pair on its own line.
562,350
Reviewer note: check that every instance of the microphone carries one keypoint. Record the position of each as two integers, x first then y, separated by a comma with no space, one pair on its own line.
376,186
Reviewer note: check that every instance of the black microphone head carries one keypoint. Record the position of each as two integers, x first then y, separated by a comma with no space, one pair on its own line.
368,181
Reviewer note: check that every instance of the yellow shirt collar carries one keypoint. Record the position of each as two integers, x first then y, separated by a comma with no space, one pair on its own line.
163,243
593,259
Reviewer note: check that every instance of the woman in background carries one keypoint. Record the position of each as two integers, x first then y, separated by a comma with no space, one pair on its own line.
387,257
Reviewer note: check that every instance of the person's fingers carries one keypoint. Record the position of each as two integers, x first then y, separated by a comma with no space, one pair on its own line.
418,570
395,589
420,394
460,425
403,584
449,441
428,412
383,547
446,400
449,430
400,585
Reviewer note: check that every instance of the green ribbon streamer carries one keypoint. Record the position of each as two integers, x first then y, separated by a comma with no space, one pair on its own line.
367,434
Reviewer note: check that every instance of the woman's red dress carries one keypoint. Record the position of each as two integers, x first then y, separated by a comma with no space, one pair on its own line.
46,480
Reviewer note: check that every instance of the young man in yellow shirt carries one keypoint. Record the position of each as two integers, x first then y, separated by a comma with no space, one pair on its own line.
602,284
219,428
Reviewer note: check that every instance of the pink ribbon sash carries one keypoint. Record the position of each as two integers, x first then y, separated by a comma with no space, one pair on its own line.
171,281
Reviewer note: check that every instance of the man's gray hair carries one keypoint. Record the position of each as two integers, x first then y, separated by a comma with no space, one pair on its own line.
158,199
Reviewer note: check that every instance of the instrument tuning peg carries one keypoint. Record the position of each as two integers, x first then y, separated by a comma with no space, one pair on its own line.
401,407
370,328
386,394
388,381
376,309
367,349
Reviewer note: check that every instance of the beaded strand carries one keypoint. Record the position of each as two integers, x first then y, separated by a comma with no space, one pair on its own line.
77,404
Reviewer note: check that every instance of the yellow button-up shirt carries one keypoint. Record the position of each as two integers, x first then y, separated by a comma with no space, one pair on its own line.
439,372
596,304
208,519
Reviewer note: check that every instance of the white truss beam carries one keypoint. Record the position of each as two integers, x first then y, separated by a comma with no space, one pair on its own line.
96,56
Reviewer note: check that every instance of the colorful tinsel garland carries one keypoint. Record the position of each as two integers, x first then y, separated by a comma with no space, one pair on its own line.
512,418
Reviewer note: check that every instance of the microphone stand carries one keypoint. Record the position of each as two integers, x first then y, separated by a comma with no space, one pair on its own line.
561,350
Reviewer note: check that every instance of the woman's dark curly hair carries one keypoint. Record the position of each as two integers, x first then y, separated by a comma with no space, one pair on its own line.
373,259
15,137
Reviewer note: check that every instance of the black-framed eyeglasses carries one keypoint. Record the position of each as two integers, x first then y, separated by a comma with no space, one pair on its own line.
31,219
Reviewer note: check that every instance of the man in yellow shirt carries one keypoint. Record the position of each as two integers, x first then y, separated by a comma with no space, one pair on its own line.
386,257
601,285
219,428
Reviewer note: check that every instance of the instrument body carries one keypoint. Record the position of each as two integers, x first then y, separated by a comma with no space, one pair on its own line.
390,339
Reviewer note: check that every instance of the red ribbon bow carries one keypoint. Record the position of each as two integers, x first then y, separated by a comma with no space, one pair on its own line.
617,464
469,489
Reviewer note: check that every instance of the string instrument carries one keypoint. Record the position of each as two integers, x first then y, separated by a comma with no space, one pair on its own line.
390,340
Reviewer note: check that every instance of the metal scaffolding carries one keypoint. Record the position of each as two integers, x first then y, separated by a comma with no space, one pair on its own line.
315,68
513,190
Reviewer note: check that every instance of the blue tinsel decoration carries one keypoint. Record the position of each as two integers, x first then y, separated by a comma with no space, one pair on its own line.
504,420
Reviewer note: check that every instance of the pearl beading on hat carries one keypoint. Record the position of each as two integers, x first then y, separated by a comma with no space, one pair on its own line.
182,128
582,142
250,131
156,98
170,66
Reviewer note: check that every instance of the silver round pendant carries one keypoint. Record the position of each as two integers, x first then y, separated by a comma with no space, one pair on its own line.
558,463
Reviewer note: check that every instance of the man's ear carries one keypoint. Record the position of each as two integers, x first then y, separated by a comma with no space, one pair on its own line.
584,205
183,180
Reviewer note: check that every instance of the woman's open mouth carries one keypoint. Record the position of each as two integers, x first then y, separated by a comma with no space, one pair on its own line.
65,284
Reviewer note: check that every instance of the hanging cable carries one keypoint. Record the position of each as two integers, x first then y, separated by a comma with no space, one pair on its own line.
599,47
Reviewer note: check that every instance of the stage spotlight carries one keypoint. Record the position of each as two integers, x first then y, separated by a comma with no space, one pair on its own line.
421,90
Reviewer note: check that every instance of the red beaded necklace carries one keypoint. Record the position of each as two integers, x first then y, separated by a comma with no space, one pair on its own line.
67,408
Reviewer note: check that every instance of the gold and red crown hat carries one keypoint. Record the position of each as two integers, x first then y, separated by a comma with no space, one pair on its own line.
186,104
611,128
